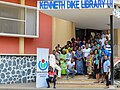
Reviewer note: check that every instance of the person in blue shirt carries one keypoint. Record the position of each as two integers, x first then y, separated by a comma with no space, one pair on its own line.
106,52
106,69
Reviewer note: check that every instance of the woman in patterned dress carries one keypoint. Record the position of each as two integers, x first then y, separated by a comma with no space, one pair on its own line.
90,63
79,61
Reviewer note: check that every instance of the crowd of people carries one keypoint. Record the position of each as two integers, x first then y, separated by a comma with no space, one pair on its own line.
88,56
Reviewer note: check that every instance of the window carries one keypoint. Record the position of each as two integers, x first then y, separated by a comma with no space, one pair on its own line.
18,20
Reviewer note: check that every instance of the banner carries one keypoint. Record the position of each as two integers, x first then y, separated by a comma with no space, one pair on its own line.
74,4
42,67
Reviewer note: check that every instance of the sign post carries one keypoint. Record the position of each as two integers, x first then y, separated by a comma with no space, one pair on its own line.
112,63
42,67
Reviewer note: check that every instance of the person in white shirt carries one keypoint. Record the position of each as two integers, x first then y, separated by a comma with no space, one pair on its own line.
83,44
53,64
70,68
103,39
86,52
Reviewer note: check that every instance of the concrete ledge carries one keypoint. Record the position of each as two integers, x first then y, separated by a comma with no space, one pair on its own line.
18,54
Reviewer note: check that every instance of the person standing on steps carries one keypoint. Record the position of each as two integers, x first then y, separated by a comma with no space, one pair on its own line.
79,61
97,66
106,68
86,52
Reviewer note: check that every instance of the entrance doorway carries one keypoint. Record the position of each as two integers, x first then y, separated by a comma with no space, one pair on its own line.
81,33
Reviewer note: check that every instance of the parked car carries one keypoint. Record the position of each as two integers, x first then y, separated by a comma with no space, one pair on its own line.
117,70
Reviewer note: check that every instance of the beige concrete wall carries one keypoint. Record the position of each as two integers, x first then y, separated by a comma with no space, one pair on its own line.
117,42
62,31
115,36
118,36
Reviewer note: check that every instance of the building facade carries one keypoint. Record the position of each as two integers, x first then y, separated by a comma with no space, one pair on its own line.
23,29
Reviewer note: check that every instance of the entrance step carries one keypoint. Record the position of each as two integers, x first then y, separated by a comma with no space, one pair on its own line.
78,83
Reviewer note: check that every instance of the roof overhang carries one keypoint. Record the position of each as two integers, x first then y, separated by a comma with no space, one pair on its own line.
86,18
92,18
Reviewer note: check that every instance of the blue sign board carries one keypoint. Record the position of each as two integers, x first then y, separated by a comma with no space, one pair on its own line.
74,4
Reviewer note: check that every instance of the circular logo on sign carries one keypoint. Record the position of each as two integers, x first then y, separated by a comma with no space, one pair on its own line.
42,64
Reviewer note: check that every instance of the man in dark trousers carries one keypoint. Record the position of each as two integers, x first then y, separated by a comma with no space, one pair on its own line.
106,68
51,77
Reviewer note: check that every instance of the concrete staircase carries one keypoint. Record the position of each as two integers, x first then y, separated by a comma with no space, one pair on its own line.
77,83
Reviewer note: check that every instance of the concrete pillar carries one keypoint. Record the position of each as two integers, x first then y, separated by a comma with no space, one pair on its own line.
22,2
117,42
74,35
21,45
21,39
53,32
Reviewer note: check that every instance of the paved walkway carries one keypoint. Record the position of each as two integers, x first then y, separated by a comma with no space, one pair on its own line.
31,86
